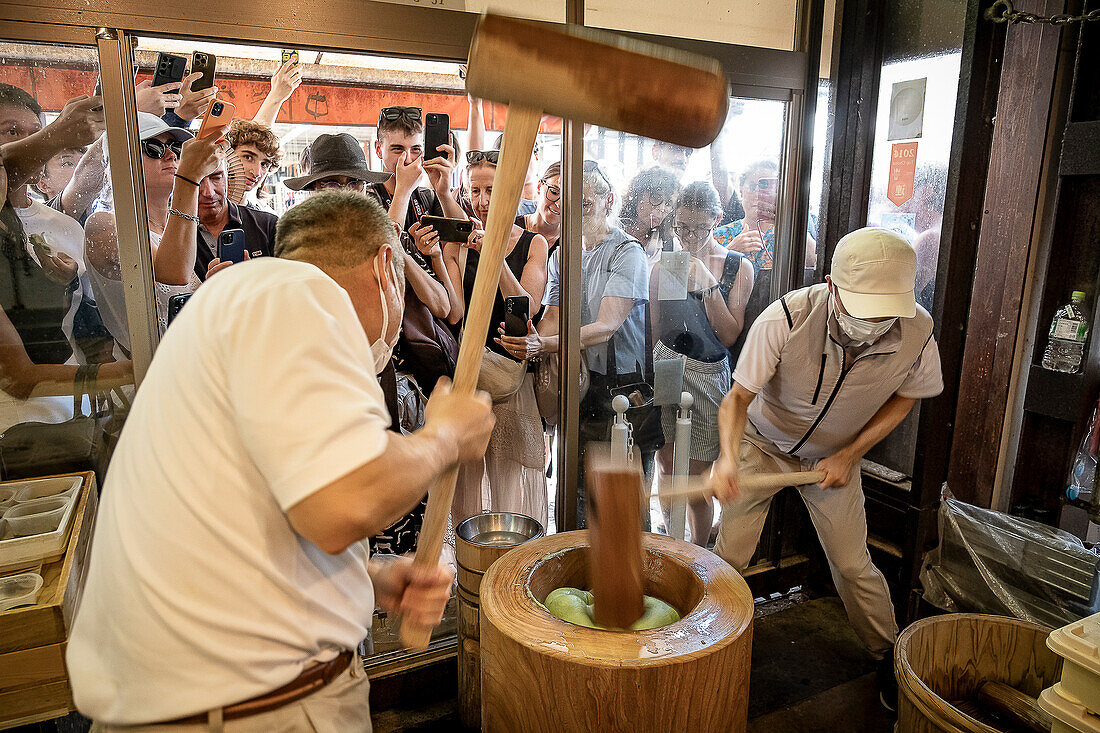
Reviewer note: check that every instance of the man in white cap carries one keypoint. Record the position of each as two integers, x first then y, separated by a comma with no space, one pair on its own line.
826,373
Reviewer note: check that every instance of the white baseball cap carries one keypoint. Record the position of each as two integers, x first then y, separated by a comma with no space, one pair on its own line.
149,126
875,271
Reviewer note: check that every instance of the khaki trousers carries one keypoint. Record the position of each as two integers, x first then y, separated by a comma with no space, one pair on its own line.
340,706
841,523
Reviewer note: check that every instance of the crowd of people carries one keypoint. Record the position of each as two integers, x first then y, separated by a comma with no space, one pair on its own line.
673,271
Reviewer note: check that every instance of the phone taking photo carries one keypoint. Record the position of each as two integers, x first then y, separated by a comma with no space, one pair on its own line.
231,245
291,56
218,116
515,315
437,132
205,64
170,69
450,230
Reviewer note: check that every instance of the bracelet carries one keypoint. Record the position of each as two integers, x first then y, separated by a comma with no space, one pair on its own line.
185,178
180,214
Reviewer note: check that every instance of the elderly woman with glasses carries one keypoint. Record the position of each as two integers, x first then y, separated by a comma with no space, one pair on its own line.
614,289
646,208
698,326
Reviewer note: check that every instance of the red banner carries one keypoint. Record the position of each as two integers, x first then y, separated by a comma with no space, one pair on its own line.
903,171
311,104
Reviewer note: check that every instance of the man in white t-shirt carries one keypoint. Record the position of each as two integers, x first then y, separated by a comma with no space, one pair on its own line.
229,575
826,373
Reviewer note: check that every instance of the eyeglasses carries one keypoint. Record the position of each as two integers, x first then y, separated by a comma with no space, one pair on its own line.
656,198
683,230
156,149
473,157
354,184
553,193
395,113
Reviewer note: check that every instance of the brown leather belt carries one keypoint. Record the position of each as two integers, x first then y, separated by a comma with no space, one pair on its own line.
312,679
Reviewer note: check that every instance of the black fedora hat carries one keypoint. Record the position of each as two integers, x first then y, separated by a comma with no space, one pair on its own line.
335,155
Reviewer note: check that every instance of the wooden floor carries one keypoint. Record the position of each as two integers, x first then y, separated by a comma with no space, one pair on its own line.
809,674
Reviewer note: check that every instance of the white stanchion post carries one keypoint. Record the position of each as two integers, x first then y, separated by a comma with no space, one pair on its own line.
681,464
620,430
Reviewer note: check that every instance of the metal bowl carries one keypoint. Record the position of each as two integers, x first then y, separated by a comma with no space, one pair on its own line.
499,529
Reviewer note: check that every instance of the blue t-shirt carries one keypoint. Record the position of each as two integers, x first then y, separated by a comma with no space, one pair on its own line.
616,268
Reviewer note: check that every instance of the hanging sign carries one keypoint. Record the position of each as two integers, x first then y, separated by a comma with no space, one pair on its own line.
903,170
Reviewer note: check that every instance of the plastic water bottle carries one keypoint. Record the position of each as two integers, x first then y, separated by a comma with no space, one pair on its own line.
1068,333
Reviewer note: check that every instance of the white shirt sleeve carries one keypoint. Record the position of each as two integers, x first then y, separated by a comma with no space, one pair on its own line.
925,378
760,355
306,401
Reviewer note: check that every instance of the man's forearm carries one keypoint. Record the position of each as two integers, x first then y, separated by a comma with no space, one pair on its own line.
174,259
269,110
880,425
87,182
732,416
451,209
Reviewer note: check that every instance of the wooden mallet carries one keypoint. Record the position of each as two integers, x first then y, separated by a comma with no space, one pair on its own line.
540,68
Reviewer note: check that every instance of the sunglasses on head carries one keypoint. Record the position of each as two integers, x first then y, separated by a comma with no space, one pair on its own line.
589,166
473,157
156,149
395,113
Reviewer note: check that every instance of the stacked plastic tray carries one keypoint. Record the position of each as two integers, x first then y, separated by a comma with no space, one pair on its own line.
35,517
1074,703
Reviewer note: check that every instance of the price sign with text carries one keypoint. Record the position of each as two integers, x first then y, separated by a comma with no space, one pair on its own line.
903,171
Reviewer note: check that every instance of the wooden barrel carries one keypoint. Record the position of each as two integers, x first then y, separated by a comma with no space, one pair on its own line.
943,659
540,673
479,541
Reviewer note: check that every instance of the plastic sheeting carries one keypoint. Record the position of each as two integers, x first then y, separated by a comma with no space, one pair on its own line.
989,562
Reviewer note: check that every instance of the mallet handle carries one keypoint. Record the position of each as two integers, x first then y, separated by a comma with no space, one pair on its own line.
700,486
519,139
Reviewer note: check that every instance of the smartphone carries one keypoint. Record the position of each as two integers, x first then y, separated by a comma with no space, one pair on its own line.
231,246
170,69
437,131
175,305
219,115
205,64
515,315
291,56
450,230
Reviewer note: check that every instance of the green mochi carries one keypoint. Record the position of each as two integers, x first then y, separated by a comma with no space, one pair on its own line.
576,607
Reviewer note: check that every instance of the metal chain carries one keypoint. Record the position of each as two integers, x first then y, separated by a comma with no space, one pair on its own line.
1002,11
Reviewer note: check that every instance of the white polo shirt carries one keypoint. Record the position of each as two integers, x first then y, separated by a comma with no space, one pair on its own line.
199,593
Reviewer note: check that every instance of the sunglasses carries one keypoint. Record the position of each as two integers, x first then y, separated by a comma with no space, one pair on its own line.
589,166
392,114
473,157
156,149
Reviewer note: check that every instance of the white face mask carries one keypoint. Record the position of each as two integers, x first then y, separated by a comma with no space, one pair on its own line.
859,330
382,350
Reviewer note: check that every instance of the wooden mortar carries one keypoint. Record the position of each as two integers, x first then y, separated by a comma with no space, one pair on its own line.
540,673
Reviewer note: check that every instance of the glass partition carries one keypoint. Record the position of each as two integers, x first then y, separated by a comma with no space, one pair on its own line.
916,112
677,250
66,379
285,119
